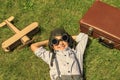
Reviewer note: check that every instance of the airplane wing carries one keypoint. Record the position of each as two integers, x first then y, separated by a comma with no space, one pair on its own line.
9,19
6,44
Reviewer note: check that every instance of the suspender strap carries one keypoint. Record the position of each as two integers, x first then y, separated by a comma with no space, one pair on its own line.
57,66
78,65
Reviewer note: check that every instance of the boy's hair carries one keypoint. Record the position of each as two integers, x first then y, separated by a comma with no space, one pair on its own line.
59,32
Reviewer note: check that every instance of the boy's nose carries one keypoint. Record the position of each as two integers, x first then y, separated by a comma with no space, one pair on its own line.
60,43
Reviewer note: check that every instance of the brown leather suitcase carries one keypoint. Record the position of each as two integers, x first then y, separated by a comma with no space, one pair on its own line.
102,21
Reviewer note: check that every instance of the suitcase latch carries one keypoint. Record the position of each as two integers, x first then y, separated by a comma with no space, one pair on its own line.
90,31
106,42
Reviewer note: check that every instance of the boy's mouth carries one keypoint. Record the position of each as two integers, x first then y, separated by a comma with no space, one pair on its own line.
62,47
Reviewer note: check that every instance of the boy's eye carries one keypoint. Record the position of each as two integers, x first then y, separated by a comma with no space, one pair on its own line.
64,37
54,41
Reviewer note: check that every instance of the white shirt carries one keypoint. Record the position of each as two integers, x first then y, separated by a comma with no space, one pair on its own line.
66,59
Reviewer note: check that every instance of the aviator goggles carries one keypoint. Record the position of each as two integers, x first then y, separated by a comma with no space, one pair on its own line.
56,41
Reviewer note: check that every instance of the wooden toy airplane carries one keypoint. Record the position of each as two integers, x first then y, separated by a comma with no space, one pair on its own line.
20,36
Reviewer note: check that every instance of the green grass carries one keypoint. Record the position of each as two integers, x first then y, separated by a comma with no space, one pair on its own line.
100,63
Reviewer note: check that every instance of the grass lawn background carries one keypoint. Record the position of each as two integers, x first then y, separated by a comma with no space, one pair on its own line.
100,63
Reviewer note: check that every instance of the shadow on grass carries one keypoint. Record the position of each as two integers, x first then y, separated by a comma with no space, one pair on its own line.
85,54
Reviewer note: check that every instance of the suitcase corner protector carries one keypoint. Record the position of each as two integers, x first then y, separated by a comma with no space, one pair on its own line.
81,21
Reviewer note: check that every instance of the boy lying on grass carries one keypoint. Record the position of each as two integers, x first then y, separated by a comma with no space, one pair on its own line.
65,57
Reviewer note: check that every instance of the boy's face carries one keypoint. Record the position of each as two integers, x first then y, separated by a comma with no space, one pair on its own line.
61,45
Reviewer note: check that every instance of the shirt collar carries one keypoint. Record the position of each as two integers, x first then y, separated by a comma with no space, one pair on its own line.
66,49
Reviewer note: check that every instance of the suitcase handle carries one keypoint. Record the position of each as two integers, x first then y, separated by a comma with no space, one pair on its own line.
106,42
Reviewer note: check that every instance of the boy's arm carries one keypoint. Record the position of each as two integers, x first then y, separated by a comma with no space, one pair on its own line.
36,45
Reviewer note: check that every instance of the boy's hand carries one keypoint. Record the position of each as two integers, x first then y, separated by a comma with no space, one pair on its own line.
74,37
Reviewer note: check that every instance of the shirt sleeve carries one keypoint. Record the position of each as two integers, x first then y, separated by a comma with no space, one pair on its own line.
82,39
43,54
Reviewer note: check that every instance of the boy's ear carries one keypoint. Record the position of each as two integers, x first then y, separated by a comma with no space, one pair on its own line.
52,47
